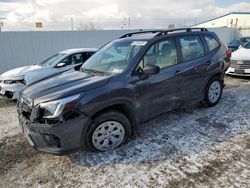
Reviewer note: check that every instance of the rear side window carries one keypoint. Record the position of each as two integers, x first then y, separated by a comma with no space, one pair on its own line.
211,42
191,48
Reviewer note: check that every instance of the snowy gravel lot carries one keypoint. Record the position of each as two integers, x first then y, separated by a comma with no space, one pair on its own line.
195,147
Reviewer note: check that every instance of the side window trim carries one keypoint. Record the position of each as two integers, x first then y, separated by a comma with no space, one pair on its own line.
205,44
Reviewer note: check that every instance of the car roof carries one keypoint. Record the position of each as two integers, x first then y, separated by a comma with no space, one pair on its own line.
77,50
143,36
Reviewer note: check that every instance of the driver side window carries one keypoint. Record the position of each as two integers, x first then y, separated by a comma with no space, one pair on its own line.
65,61
162,53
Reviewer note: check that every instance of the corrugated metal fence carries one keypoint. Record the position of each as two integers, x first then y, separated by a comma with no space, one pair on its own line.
244,31
26,48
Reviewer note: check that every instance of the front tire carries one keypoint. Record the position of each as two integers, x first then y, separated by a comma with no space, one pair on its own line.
108,131
213,92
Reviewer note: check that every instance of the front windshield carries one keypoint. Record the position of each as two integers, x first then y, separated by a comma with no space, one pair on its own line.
51,60
247,45
244,40
113,58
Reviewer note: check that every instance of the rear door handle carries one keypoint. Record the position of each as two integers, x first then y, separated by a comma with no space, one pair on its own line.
177,71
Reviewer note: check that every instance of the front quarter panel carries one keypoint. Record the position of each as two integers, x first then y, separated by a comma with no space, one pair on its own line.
115,92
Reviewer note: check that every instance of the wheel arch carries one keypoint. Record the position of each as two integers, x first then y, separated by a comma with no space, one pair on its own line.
123,107
218,74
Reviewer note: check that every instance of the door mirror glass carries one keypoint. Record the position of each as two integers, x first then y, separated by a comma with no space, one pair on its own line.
61,65
151,69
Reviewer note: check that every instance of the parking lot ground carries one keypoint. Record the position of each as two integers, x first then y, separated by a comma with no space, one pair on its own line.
196,146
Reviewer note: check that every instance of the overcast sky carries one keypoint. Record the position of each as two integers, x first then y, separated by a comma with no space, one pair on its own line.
112,14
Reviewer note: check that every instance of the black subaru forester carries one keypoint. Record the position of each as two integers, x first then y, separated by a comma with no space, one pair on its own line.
128,81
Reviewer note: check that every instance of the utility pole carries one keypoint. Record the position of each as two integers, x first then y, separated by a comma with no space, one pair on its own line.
126,23
72,24
129,22
1,24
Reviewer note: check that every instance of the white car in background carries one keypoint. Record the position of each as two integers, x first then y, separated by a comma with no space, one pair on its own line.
240,61
13,81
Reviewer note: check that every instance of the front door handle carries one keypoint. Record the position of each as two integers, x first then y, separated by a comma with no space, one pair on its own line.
177,71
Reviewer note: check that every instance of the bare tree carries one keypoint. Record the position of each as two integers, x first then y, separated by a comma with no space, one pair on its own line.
171,26
87,26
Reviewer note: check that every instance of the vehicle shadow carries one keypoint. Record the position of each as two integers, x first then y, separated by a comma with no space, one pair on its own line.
238,77
179,133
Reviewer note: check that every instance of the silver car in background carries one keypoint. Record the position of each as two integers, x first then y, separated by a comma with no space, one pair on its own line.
13,81
240,61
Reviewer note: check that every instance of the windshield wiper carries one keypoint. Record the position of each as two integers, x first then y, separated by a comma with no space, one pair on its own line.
92,70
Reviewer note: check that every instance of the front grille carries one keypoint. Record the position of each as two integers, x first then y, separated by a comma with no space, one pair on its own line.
240,64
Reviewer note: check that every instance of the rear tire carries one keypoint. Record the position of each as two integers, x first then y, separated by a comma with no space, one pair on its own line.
108,131
213,91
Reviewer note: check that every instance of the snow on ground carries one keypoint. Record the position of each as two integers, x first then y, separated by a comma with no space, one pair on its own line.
8,118
197,146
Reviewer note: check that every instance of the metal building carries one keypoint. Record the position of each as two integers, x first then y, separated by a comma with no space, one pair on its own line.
232,19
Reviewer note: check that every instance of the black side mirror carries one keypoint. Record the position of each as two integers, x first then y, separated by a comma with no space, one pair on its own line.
151,69
78,67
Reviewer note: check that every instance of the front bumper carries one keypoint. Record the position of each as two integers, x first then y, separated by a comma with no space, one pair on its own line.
242,72
59,138
11,91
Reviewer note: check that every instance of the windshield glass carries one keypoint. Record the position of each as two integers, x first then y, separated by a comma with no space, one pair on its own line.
51,60
247,45
113,58
244,40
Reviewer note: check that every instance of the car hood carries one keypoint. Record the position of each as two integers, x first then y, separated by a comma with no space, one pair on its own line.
40,74
62,85
241,54
19,72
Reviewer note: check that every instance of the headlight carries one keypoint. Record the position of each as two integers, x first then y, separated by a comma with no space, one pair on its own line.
54,108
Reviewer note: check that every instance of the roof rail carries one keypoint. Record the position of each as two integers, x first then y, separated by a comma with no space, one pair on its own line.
140,32
180,29
163,32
